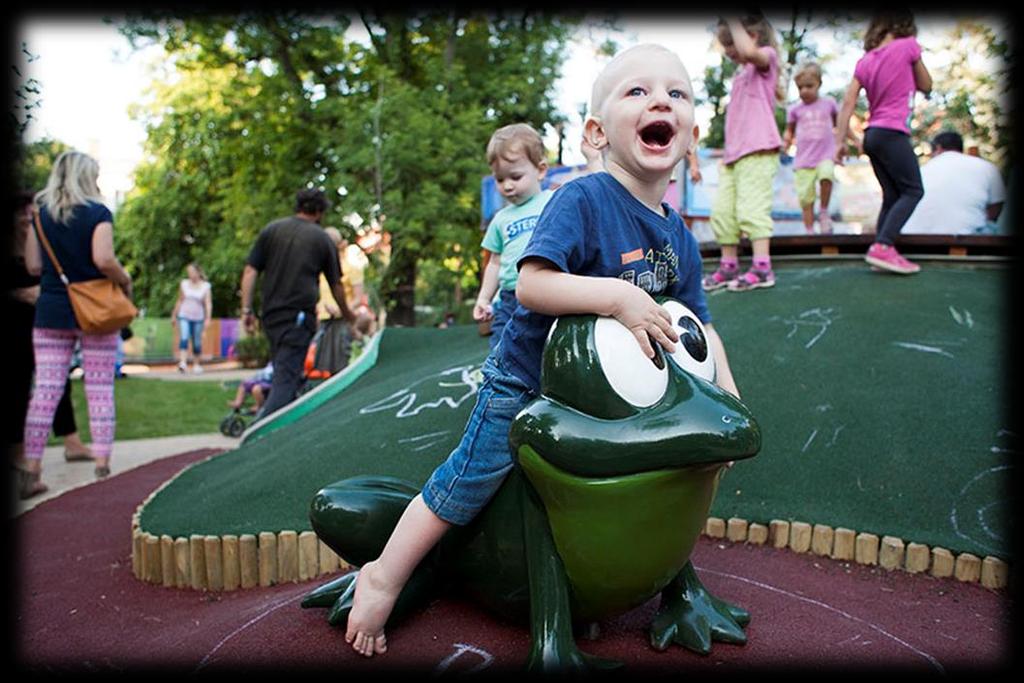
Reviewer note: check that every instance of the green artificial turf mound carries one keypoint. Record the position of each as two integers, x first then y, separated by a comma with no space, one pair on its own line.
880,399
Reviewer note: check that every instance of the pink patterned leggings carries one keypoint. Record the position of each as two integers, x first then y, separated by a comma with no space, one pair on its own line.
53,349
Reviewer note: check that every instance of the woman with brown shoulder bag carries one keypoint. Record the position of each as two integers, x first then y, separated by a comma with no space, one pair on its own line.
73,242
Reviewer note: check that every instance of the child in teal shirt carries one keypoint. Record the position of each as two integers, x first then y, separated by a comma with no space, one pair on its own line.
516,156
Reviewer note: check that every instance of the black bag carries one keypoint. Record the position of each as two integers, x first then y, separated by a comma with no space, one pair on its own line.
333,345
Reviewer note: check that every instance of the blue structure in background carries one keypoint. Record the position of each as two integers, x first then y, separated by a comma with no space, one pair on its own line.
491,200
697,198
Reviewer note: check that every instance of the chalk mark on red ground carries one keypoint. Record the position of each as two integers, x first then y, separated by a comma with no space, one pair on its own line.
246,625
934,662
461,649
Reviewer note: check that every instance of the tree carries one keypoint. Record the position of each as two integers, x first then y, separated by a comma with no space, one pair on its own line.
971,94
394,131
34,161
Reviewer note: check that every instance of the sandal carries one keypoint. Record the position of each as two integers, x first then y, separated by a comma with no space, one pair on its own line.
29,483
102,471
77,457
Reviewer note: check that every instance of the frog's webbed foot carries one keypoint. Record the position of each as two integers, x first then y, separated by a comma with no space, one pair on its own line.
337,595
692,617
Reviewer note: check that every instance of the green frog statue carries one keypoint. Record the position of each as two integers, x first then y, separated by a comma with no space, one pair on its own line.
616,466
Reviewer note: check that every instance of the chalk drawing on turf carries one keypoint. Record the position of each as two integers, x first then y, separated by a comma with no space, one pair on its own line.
446,389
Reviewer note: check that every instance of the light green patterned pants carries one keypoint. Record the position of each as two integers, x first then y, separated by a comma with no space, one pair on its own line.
743,202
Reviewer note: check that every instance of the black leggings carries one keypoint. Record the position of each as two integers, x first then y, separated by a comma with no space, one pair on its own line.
899,174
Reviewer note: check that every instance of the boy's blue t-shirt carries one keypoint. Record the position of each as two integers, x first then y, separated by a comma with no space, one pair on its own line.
594,226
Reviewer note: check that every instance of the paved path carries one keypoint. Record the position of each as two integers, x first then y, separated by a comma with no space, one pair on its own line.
63,476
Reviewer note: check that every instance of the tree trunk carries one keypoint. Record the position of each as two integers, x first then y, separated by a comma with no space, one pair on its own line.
400,293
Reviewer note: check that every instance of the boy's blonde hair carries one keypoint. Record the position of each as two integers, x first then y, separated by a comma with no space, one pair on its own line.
516,138
812,69
72,182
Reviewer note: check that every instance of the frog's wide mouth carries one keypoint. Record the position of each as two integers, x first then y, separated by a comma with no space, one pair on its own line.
696,424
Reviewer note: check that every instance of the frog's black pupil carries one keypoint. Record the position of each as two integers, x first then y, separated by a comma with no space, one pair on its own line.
658,361
692,339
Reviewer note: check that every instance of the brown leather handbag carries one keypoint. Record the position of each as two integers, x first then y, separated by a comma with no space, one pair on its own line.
100,305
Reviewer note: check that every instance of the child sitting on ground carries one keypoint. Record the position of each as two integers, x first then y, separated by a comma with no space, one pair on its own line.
258,386
605,244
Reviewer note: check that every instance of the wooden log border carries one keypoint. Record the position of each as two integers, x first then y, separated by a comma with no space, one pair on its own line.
846,545
231,562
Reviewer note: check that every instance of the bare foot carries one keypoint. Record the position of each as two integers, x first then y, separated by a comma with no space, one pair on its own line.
371,606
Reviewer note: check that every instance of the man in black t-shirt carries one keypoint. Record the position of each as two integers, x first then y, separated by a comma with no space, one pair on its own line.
291,253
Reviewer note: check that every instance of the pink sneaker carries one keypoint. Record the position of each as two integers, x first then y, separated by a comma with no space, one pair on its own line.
886,257
720,278
825,221
754,278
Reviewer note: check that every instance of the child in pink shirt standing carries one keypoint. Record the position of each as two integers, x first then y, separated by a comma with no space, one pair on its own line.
743,202
890,72
809,123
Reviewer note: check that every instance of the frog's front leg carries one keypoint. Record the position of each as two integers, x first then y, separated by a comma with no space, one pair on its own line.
692,617
552,647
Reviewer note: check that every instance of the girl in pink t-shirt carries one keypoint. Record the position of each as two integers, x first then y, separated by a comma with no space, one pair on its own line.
890,72
809,124
743,201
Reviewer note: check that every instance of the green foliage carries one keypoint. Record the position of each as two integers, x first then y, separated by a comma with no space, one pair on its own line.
253,350
717,79
35,161
972,94
262,105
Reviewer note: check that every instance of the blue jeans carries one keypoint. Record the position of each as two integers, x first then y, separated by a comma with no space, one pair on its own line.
190,329
502,310
463,484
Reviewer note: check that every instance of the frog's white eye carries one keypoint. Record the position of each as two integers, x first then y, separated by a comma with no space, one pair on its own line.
636,378
692,351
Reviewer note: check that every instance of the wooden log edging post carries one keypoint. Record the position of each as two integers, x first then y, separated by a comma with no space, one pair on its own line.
846,545
208,562
212,562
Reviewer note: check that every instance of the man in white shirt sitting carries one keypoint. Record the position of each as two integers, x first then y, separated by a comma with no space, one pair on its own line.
963,194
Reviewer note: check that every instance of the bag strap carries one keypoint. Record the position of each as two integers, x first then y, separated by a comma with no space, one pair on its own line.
49,249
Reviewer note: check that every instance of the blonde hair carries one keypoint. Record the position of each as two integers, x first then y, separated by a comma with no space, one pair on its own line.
759,25
808,69
516,138
199,269
72,182
601,89
900,23
334,234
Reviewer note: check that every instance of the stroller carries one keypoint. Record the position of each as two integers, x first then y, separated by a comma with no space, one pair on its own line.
234,423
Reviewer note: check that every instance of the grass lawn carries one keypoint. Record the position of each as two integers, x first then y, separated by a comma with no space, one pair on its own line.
148,408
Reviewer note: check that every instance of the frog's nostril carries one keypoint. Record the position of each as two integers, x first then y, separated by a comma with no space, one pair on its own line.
726,419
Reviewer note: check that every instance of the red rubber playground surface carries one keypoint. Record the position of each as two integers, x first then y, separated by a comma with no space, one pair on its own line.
79,609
